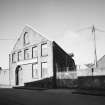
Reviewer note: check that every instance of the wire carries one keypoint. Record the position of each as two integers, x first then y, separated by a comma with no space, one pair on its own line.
82,29
7,39
91,27
97,29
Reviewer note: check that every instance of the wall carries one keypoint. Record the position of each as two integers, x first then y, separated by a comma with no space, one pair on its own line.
4,77
62,61
35,40
91,82
64,68
67,75
88,72
27,65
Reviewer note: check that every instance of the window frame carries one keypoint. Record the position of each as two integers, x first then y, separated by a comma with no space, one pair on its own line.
35,76
25,54
42,49
21,56
43,76
33,52
25,40
13,57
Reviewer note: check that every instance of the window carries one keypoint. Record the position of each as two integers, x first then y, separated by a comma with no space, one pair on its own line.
44,69
26,38
35,70
19,55
26,54
44,51
34,52
14,59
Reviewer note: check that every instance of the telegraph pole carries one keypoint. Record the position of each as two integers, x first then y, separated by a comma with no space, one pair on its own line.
94,42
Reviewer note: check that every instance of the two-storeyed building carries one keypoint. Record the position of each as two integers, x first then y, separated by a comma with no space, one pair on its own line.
35,58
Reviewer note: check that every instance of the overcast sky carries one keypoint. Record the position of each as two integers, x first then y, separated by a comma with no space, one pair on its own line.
58,20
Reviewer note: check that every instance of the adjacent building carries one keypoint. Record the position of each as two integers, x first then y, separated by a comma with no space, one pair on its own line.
35,58
4,77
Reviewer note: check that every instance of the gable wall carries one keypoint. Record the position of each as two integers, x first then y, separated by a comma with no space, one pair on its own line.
35,40
34,37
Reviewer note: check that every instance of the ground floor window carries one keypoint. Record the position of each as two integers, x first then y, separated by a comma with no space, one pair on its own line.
35,70
44,68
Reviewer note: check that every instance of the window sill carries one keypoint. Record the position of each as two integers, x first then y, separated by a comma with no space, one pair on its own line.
44,55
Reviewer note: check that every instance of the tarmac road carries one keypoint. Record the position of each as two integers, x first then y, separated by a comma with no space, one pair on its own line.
47,97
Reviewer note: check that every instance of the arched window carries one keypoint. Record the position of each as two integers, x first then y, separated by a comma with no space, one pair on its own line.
26,38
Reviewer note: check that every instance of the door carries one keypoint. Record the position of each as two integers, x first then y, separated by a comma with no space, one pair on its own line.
18,75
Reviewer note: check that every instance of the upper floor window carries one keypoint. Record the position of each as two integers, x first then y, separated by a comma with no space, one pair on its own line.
14,58
44,49
34,52
26,38
19,55
26,54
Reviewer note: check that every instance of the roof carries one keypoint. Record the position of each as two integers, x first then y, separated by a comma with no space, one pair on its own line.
103,57
92,65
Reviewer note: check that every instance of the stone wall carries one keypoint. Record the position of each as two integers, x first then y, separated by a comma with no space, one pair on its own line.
66,79
91,82
67,75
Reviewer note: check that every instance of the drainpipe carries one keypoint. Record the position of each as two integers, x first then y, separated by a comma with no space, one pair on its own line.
9,70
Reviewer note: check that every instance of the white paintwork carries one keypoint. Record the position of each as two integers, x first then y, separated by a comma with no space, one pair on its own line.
27,61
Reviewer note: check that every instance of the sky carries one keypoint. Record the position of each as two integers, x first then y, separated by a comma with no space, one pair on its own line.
64,21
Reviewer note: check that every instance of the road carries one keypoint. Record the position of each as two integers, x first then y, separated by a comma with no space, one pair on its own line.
47,97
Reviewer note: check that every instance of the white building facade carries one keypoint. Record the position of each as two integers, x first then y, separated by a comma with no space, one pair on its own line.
31,58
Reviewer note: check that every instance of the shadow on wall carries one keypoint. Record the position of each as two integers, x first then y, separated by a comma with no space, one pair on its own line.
49,83
44,83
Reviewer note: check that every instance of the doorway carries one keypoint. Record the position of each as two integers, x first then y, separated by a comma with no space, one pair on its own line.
17,74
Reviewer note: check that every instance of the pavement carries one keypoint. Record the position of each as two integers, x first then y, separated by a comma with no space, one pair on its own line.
47,97
5,86
30,88
95,92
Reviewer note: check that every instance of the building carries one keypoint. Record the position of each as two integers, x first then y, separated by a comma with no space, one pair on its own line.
4,77
35,58
101,63
93,78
